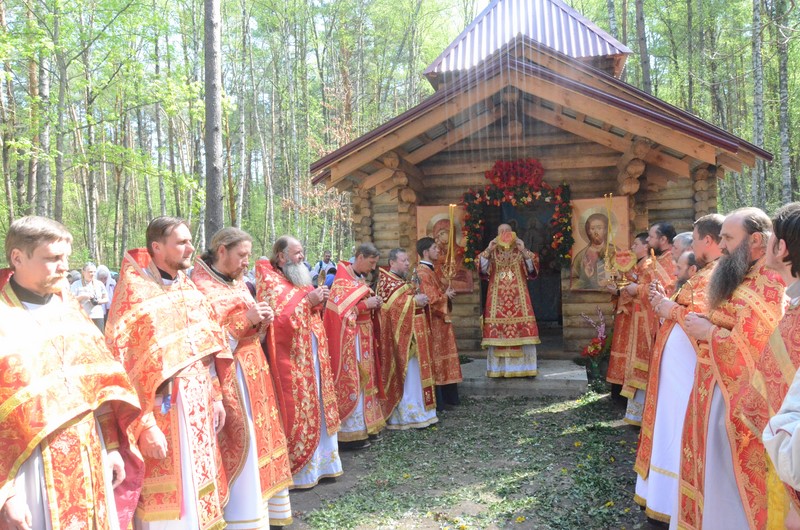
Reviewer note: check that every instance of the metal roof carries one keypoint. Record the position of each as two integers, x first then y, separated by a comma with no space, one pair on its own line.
549,22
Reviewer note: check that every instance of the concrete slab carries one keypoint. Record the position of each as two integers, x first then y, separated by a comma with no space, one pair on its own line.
556,378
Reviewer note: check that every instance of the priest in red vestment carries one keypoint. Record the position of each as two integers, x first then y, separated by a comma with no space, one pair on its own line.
297,347
746,303
350,319
68,447
509,323
635,327
659,239
671,375
763,394
446,365
258,482
405,348
165,332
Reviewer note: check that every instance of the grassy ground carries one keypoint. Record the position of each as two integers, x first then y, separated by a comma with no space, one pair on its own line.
491,463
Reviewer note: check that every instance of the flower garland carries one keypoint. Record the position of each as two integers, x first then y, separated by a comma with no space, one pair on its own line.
518,182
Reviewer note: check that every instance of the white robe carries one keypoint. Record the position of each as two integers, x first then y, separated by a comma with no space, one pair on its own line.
722,504
410,413
325,461
245,510
659,490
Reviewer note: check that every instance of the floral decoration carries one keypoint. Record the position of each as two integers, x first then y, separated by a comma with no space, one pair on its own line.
599,346
518,182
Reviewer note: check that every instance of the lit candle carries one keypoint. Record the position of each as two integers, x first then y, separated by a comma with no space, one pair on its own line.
451,241
608,217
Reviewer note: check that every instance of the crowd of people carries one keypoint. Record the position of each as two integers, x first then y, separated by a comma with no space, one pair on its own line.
706,347
203,394
210,390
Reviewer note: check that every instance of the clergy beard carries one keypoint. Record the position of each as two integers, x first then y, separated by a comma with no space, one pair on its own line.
297,274
729,274
679,284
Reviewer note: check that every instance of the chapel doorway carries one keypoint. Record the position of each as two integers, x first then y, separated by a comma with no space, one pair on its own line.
532,225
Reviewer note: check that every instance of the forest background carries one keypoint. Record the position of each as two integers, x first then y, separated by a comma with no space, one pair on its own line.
103,102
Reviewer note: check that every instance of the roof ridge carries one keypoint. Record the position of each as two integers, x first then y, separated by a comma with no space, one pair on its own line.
505,19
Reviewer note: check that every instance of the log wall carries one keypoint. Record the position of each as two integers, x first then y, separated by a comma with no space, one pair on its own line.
387,214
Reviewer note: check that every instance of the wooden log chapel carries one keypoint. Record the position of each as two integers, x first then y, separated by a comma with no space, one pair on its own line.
533,79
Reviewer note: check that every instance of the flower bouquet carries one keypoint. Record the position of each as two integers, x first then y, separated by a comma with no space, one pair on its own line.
599,346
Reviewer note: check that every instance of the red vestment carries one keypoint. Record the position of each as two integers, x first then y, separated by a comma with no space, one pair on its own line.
56,377
757,401
292,356
446,365
635,327
404,332
744,324
166,337
508,318
347,320
231,301
691,298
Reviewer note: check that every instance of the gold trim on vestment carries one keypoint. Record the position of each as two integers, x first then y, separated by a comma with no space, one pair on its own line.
316,482
527,373
511,342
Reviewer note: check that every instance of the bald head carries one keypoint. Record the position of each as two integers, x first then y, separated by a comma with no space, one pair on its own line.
503,228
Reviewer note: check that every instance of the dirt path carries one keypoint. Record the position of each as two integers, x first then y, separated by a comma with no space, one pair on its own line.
493,463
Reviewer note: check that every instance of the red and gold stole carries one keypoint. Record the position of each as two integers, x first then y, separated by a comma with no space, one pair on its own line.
291,353
446,365
645,327
744,324
692,297
756,402
665,272
508,318
231,302
403,334
346,319
635,327
161,332
56,376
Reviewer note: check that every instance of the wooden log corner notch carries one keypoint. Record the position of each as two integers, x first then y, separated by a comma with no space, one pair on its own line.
631,165
703,184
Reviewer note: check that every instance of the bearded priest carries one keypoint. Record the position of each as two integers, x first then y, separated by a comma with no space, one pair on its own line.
745,304
298,352
253,445
509,323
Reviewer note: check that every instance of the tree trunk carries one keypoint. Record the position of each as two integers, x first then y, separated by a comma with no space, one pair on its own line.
644,56
43,169
759,171
7,113
782,35
162,189
35,104
612,18
689,56
58,206
214,220
142,133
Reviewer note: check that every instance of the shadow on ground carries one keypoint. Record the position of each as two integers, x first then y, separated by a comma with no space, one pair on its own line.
491,463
